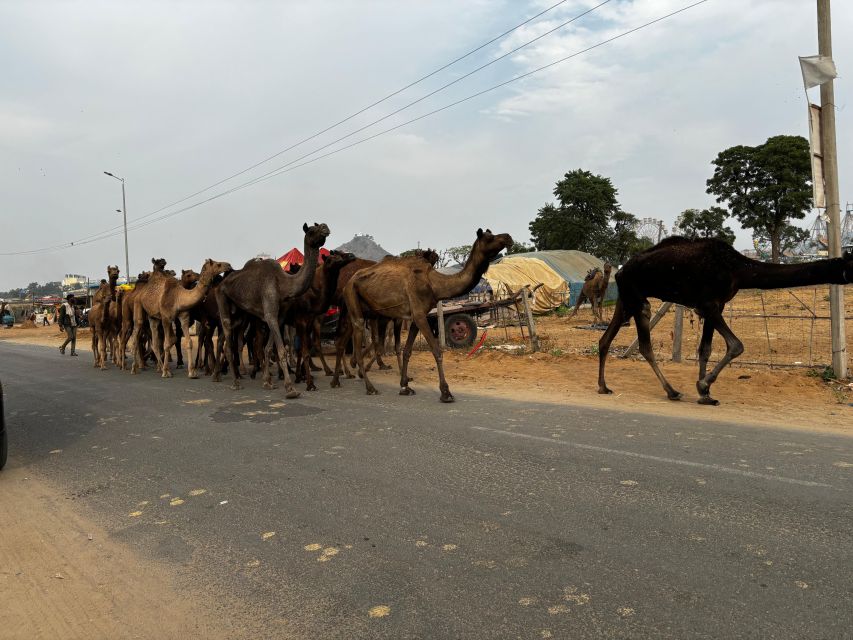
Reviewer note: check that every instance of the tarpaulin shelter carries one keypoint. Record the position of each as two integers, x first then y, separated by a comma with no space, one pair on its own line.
294,256
561,273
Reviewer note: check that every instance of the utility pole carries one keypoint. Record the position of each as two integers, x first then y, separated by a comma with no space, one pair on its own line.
833,204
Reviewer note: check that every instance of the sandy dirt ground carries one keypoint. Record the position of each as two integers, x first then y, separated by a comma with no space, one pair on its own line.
62,577
783,397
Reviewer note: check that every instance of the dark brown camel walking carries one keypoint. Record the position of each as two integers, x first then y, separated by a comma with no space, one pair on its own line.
594,290
261,288
703,274
304,312
407,289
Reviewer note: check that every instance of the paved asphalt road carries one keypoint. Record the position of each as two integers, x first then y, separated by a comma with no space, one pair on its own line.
482,519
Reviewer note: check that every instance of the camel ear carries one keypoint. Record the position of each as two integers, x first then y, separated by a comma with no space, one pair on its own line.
479,233
305,227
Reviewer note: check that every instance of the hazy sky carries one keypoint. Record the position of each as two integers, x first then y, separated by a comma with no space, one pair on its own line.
175,96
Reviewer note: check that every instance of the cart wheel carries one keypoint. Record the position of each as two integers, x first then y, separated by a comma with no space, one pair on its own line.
460,331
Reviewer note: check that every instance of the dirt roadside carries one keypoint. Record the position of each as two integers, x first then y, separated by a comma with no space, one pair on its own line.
786,398
62,577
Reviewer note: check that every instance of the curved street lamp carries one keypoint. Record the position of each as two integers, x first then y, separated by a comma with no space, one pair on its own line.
123,210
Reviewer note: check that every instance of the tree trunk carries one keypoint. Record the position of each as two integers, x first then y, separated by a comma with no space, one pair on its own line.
775,241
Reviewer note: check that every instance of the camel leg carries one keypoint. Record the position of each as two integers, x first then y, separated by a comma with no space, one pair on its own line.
192,371
266,363
606,340
581,298
734,348
645,339
595,301
136,340
159,356
398,327
405,390
271,318
423,325
169,339
344,336
226,329
102,348
95,354
178,333
318,328
305,351
379,328
704,351
359,329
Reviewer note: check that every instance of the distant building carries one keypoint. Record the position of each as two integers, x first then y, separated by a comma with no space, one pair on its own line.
73,281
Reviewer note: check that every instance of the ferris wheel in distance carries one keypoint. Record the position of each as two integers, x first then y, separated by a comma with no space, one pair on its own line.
651,229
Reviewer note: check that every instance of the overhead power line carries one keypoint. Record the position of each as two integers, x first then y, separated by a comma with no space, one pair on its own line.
344,120
291,166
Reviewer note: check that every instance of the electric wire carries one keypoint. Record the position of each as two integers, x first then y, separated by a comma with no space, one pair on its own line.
291,166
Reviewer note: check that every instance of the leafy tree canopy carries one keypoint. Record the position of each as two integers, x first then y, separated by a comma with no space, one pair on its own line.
707,223
765,186
520,247
587,218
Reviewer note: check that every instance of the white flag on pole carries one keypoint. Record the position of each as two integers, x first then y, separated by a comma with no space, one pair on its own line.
817,70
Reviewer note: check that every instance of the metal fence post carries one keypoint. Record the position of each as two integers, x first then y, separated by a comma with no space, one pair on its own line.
441,337
677,332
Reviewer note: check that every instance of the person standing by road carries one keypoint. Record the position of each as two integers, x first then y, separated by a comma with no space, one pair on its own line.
68,321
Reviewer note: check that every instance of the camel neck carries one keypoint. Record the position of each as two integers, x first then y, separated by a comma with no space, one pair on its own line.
767,275
452,286
302,281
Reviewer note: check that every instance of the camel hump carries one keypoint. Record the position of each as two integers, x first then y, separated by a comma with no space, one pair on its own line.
591,274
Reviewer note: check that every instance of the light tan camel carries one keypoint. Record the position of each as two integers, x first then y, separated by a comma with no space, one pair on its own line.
594,290
127,324
99,317
407,289
162,300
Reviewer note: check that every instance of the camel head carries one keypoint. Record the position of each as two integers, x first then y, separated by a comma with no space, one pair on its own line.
607,269
159,264
316,235
188,278
338,259
170,272
431,256
211,268
112,272
143,276
491,245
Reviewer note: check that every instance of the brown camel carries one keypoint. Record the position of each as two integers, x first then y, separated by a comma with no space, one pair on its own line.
127,324
407,289
594,289
703,274
163,300
305,311
378,326
262,289
99,317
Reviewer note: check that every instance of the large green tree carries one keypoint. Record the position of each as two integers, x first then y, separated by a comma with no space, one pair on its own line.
587,217
707,223
765,186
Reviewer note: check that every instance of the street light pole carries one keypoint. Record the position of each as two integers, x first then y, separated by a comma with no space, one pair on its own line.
124,213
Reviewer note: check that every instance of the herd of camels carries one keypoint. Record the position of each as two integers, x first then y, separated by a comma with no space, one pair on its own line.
261,306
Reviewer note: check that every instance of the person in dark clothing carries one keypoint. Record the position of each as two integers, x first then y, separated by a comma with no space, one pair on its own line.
68,321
